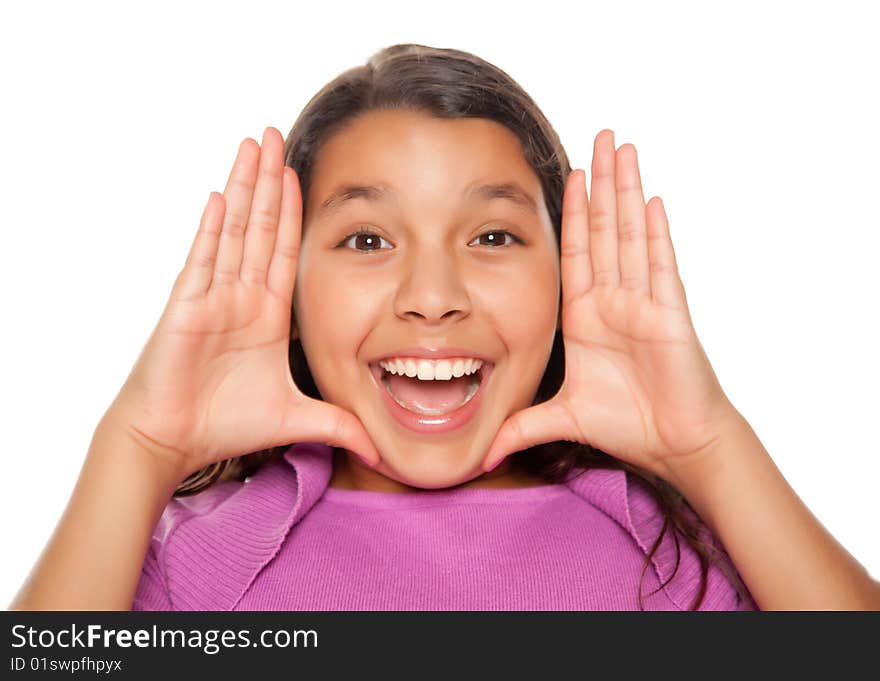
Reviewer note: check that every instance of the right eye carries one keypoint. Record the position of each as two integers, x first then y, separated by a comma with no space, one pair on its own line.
367,238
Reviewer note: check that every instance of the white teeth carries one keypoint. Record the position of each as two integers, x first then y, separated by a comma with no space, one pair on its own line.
442,372
426,371
458,368
431,370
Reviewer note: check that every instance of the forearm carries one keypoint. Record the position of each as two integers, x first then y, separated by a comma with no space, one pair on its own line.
94,558
788,560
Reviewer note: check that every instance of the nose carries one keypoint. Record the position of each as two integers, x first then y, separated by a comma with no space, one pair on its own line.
432,290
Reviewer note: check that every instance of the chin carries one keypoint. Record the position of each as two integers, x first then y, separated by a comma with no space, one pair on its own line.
441,478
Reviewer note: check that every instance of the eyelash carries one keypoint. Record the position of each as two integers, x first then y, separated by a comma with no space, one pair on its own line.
363,230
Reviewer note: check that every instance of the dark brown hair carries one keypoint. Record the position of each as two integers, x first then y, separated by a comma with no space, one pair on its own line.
449,83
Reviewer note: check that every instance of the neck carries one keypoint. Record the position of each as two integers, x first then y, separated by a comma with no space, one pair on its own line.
350,473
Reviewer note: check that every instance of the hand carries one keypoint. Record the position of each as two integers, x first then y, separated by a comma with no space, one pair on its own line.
638,384
213,380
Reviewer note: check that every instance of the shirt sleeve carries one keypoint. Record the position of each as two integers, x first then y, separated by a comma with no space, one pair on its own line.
151,593
677,563
726,596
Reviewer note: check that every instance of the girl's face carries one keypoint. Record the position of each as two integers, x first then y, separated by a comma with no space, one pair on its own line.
442,267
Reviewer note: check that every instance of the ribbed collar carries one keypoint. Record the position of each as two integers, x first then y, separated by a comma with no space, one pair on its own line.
215,543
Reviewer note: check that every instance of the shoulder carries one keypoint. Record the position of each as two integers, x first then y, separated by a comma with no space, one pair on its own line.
207,548
629,502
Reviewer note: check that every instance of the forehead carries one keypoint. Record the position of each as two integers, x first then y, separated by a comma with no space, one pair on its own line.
425,159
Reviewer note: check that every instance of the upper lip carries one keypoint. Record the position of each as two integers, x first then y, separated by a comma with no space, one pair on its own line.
432,353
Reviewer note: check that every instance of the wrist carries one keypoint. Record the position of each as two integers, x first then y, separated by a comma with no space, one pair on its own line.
695,468
116,437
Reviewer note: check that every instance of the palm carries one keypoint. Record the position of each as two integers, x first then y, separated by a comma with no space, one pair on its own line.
233,390
213,380
637,382
632,386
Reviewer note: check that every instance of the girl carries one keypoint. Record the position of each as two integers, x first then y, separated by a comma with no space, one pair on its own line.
409,364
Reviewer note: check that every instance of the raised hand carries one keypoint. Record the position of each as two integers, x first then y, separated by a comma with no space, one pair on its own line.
638,384
213,380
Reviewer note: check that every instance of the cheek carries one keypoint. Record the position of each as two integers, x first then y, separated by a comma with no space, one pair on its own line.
527,308
333,319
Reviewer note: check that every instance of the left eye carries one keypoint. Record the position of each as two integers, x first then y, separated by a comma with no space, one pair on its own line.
499,241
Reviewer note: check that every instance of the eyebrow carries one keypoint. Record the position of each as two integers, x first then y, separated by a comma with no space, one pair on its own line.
378,193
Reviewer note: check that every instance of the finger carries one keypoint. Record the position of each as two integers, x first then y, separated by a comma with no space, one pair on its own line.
631,229
547,422
603,212
574,253
666,286
262,224
195,279
238,193
323,422
282,271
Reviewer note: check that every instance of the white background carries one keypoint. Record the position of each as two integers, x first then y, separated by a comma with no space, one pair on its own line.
757,126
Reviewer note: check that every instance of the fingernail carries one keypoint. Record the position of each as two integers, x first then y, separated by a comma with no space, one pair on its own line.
494,465
367,463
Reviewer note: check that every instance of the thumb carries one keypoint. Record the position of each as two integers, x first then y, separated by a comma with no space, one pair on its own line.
319,421
546,422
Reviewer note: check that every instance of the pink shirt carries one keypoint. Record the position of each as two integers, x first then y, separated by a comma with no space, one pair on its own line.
283,540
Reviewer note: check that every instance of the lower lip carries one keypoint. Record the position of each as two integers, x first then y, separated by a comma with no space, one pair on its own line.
440,423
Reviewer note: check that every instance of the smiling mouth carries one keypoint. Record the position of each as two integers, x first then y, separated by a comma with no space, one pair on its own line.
429,397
